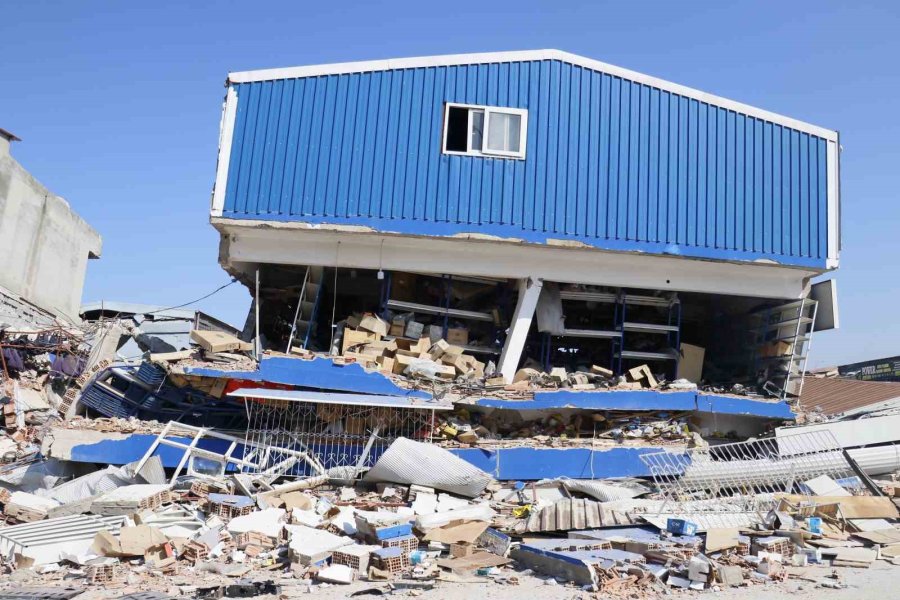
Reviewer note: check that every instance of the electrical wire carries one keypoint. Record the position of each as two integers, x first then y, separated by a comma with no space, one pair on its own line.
216,291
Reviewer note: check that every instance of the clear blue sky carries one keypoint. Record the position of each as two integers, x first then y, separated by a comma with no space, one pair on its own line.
118,104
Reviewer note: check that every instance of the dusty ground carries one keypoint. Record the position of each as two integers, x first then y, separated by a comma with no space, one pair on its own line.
881,582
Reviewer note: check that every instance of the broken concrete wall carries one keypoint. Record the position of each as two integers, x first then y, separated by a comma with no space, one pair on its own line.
45,245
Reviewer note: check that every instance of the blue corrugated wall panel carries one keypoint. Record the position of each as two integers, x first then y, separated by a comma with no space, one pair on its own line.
610,162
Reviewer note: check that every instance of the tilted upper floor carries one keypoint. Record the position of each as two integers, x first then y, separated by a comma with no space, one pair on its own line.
540,146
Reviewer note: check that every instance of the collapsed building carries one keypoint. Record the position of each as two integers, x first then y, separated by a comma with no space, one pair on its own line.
45,246
532,205
533,209
508,309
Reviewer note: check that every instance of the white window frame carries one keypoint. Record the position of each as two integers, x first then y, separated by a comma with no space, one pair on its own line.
483,152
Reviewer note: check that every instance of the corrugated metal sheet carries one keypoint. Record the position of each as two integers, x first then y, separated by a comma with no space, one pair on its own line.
610,162
49,540
834,395
407,462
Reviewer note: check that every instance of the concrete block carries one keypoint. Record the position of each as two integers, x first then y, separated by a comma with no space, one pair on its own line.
336,574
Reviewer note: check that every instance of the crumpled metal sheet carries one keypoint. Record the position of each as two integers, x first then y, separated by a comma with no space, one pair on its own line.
410,462
605,491
571,514
40,593
106,480
49,540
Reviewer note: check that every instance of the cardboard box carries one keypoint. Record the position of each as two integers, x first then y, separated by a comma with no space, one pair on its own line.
397,329
414,329
386,364
435,333
372,351
458,335
438,349
461,362
364,360
441,347
401,361
690,366
478,366
218,341
353,338
423,345
446,371
375,324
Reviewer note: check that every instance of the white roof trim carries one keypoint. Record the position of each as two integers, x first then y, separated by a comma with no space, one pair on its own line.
527,55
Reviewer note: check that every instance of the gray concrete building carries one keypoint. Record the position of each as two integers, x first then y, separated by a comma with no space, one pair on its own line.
45,245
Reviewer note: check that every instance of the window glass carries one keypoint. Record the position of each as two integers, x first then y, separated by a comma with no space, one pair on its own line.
503,133
477,130
485,131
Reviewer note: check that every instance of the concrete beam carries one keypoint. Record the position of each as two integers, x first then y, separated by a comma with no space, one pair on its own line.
529,292
299,244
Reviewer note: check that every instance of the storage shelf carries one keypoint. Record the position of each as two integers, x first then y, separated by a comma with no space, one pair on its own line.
588,296
439,310
649,300
465,278
670,355
650,328
762,312
785,338
479,349
787,323
591,333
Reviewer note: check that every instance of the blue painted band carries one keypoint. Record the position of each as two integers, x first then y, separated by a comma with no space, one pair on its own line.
443,229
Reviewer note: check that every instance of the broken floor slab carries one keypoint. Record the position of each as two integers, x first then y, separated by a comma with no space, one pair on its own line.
645,400
573,560
518,463
131,499
319,373
529,464
308,545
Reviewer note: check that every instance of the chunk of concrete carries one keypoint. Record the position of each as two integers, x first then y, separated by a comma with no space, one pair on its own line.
336,574
730,575
308,545
130,499
268,522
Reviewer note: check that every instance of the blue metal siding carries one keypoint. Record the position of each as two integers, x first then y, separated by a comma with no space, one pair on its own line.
610,162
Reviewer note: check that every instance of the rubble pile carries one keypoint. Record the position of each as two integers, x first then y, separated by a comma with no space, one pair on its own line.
405,351
417,518
406,515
